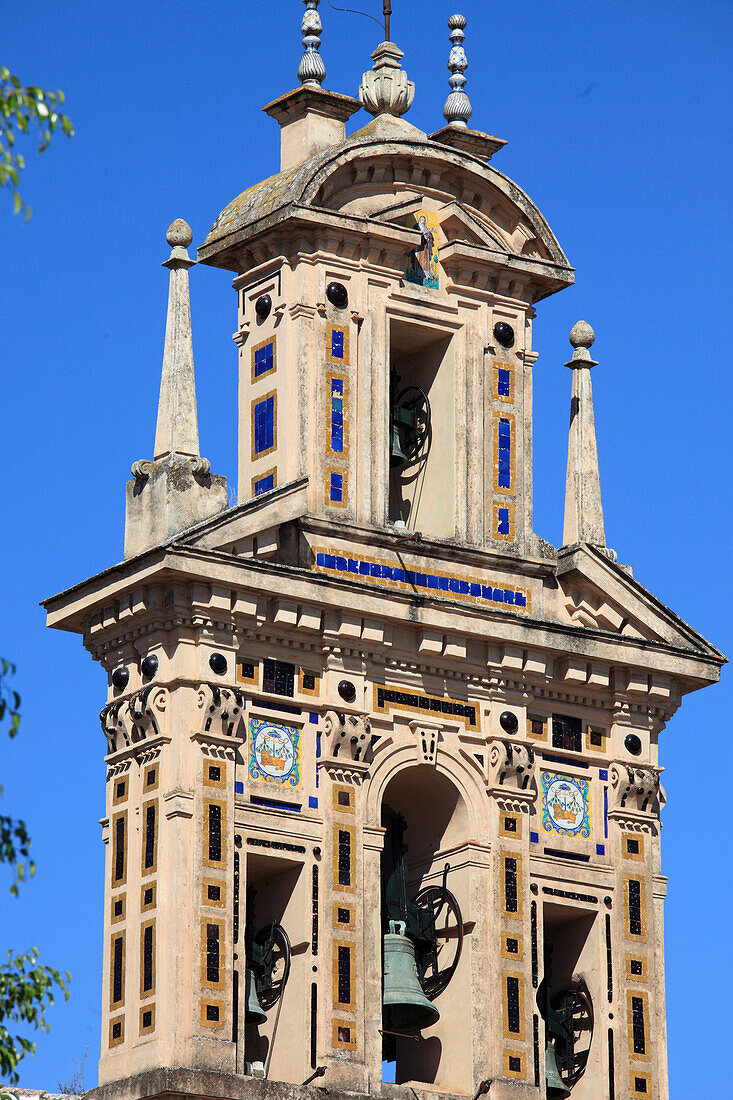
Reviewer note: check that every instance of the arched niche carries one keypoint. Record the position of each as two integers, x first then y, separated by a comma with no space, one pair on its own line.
439,818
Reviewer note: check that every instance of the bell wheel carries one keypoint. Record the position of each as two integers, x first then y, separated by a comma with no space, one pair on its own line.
440,938
274,968
576,1006
415,401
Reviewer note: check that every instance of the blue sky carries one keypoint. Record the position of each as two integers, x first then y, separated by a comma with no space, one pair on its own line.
615,116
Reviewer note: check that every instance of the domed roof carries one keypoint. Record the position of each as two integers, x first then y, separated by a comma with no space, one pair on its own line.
391,150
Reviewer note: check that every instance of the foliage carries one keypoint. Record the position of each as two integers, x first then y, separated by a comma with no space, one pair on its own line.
25,110
26,991
26,986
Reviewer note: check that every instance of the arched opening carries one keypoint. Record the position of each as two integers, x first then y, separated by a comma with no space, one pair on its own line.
426,1008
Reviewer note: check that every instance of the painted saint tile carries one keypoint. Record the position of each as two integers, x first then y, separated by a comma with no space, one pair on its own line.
422,262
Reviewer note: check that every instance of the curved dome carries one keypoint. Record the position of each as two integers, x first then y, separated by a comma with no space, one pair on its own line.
384,155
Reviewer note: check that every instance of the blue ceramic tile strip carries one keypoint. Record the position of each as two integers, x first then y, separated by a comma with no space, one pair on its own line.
337,344
264,425
336,488
264,484
337,416
263,360
605,811
504,383
291,807
503,524
505,457
438,584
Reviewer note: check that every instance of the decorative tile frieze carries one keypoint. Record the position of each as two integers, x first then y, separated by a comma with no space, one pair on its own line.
263,359
503,382
395,576
388,698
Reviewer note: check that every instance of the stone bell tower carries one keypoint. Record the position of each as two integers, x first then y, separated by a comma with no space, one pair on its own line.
383,772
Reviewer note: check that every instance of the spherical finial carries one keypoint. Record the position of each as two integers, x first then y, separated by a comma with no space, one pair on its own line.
582,335
179,234
457,22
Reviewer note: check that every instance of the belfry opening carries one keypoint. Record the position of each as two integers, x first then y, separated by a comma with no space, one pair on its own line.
382,762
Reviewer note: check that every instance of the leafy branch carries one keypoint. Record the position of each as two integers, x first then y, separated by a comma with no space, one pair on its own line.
15,842
26,110
26,991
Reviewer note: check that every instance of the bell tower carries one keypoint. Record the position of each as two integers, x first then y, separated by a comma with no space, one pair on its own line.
383,768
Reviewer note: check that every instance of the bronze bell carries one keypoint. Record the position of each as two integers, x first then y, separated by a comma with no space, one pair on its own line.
404,1005
397,457
556,1087
253,1013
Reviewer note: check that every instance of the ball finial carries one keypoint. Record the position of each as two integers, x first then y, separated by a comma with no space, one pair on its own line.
582,335
179,234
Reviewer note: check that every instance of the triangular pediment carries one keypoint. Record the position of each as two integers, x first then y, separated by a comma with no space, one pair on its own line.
456,222
596,593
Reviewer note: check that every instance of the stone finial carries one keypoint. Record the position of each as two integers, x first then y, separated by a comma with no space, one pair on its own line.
583,506
311,71
457,110
177,429
385,89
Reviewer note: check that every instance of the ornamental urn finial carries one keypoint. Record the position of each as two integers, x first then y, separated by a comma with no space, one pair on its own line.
385,89
311,71
457,110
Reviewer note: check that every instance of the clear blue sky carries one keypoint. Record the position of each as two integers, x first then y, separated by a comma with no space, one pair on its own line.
615,114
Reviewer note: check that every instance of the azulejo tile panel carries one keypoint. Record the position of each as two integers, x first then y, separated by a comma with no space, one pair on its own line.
422,262
263,483
503,382
337,345
504,452
274,753
337,443
264,359
398,577
503,526
566,808
264,425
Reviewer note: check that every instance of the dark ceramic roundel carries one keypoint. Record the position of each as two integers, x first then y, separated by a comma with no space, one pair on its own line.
337,295
509,722
263,305
218,663
347,691
504,334
120,678
149,665
633,743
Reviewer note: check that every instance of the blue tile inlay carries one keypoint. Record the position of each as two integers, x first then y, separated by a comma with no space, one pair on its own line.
503,524
337,344
239,788
602,773
313,718
505,456
336,489
504,383
291,807
265,425
605,811
600,849
534,838
312,802
337,415
264,484
417,578
263,360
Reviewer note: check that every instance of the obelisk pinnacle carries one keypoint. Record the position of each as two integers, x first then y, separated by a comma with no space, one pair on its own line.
583,507
177,428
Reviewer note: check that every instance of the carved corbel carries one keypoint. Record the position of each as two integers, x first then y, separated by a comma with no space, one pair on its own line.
511,764
635,789
222,710
348,736
143,712
113,727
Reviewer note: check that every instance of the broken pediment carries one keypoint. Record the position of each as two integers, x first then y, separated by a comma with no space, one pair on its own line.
597,594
